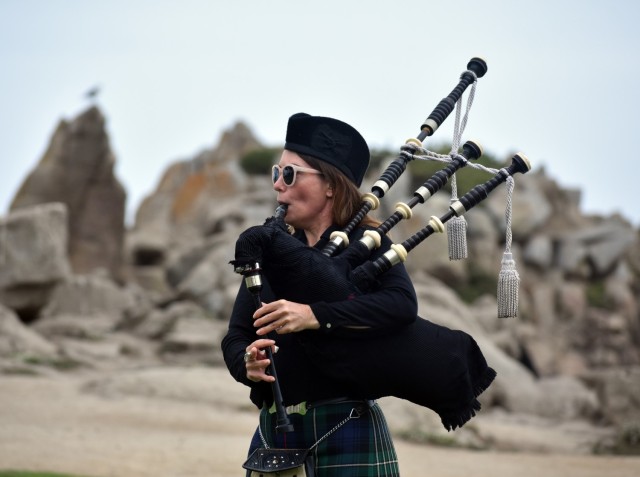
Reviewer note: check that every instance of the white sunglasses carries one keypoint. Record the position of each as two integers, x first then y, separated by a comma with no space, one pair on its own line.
289,173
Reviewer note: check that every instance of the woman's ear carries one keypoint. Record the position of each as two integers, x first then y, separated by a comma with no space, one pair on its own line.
329,191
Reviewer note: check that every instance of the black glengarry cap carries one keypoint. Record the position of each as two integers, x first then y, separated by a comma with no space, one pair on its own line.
331,141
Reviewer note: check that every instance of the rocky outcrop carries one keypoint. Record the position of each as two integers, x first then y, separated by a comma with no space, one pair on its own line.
77,170
191,213
188,192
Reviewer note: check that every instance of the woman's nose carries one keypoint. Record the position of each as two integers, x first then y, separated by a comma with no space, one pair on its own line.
279,184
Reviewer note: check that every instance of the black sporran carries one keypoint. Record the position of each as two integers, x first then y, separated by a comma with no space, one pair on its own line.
280,463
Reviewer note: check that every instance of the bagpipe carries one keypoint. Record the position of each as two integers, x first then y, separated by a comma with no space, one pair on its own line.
425,363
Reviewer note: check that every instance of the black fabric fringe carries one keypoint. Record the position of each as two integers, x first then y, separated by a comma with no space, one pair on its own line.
453,420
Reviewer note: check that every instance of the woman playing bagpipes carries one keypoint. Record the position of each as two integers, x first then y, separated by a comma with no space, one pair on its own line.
317,178
333,299
346,332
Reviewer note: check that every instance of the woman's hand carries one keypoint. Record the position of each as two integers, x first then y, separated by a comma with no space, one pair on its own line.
284,317
256,360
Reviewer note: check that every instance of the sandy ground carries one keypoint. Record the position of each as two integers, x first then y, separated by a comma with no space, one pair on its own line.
51,423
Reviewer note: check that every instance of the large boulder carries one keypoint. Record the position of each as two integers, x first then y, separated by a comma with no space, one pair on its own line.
619,392
77,170
85,306
33,256
600,247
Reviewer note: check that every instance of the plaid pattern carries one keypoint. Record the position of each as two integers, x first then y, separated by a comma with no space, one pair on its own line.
360,448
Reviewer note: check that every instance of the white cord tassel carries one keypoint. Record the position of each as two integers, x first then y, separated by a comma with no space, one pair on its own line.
508,285
456,229
457,238
508,279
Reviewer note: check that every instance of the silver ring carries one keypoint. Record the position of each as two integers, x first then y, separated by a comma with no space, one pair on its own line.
247,357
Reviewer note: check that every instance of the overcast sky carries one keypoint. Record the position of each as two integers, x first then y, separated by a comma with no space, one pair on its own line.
561,86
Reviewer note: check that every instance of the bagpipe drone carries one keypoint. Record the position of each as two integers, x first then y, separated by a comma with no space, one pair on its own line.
452,370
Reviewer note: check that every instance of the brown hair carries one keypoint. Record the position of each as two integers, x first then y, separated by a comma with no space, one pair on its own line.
347,199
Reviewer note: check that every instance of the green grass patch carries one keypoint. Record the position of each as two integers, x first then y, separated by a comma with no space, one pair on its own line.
19,473
626,441
597,295
479,283
61,364
259,161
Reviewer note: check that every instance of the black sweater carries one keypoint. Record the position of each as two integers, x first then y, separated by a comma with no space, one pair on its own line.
390,303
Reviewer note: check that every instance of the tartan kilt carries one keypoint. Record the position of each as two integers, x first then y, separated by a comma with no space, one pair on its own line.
362,447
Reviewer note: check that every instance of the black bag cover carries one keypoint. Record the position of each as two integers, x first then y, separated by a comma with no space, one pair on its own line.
425,363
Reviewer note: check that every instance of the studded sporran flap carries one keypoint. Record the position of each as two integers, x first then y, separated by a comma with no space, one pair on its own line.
280,463
267,462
